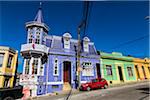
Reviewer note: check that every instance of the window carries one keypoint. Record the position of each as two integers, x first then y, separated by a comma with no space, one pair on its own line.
55,86
9,61
55,68
40,79
40,89
30,40
102,80
144,71
1,59
35,66
66,43
6,82
109,69
87,69
86,47
86,44
37,40
66,39
38,29
37,33
95,80
41,70
129,71
44,38
27,66
30,37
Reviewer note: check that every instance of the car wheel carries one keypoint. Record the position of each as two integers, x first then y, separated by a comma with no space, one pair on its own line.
9,98
105,86
88,88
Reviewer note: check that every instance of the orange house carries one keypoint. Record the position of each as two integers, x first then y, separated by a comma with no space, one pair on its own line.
142,68
147,67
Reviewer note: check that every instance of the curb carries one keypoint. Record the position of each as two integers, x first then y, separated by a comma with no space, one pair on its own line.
77,91
127,83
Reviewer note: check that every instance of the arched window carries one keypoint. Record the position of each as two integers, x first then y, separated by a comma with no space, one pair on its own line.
86,44
67,38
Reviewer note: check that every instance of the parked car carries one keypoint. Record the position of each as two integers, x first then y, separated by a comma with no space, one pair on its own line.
11,93
94,84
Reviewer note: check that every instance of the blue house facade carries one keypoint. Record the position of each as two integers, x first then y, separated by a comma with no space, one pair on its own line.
50,62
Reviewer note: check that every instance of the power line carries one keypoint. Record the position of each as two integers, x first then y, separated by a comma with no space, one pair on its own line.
87,14
129,42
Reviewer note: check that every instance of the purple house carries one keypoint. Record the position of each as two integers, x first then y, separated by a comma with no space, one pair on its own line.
50,61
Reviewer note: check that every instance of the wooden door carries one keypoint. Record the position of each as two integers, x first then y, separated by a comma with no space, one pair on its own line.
98,70
67,71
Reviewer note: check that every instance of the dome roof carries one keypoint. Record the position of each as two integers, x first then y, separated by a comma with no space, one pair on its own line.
86,39
67,35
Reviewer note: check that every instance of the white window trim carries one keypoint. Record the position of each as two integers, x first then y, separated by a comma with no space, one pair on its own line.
30,68
66,43
129,71
54,68
30,33
2,59
86,46
85,73
26,60
109,70
39,67
36,62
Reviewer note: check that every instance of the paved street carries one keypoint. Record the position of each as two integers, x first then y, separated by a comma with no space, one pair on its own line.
138,91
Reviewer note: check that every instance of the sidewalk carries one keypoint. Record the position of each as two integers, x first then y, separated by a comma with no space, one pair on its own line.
59,94
128,83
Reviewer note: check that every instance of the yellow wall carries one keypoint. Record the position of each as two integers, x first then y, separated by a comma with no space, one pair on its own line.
1,81
147,64
139,63
4,70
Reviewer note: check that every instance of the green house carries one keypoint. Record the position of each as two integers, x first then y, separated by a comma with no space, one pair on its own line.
116,68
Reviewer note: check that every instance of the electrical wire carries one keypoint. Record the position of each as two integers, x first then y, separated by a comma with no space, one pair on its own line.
129,42
87,16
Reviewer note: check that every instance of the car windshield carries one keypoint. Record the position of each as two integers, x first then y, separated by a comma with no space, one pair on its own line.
94,80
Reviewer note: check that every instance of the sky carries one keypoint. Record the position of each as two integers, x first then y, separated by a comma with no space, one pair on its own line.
113,26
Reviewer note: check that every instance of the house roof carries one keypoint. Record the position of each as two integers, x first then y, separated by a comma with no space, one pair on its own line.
39,18
56,45
68,35
38,21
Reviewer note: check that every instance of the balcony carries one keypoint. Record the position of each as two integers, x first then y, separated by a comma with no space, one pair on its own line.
28,79
31,23
37,48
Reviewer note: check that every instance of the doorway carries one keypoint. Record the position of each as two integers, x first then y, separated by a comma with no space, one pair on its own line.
120,73
149,69
98,70
137,72
144,72
67,72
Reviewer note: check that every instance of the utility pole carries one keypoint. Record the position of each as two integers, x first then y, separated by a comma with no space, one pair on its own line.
82,25
78,58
